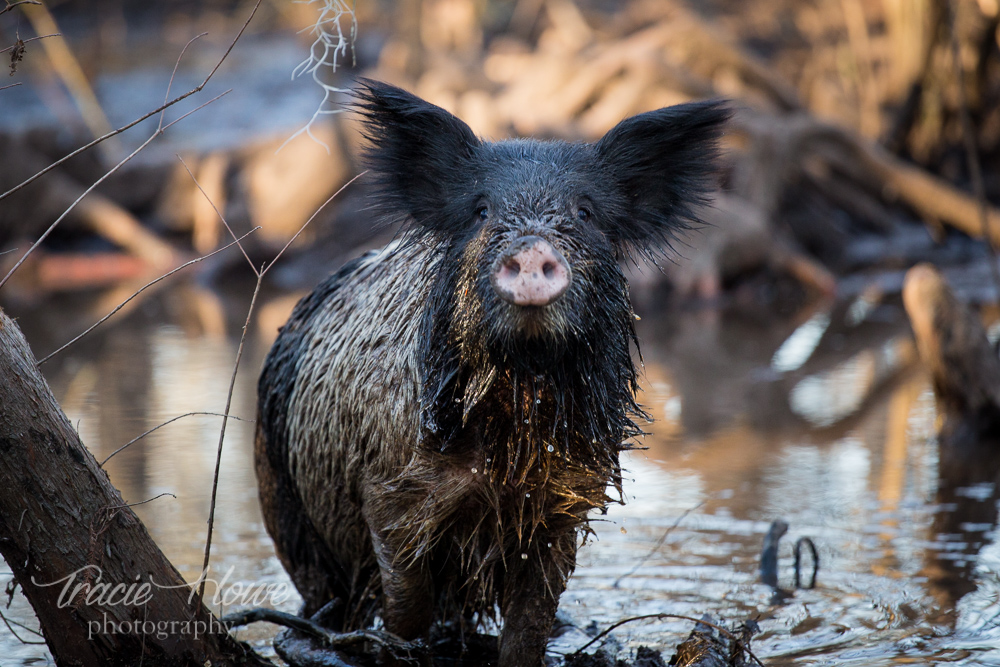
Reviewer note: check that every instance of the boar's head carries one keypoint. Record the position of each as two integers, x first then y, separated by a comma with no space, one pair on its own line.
533,233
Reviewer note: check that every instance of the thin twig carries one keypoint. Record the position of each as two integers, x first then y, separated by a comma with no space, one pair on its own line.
971,152
11,5
7,622
332,639
91,189
71,207
222,435
12,249
169,421
659,543
143,502
12,85
232,381
25,41
330,45
177,63
219,213
195,110
311,218
160,109
139,291
29,629
622,622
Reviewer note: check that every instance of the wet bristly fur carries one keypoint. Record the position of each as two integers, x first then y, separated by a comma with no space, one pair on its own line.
429,452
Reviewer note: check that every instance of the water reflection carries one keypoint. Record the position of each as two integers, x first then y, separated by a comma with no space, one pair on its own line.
965,521
837,439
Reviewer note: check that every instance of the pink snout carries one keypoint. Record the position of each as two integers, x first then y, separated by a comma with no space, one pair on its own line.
530,273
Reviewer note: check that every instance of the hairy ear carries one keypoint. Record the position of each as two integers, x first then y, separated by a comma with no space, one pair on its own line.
663,165
421,156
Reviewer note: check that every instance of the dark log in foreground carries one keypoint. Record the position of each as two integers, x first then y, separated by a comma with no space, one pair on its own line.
307,643
952,342
103,592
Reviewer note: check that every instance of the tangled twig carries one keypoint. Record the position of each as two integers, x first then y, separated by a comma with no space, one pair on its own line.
737,639
387,640
328,49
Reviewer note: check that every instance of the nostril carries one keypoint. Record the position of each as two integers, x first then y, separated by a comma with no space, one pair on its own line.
548,269
512,268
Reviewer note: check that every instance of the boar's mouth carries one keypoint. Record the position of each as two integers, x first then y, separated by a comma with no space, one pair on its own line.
538,323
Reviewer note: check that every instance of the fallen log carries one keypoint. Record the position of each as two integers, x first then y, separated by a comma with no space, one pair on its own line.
965,372
789,141
952,343
29,212
103,592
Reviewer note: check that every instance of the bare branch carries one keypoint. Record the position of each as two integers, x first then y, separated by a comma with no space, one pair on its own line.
71,207
11,5
232,381
12,85
219,213
331,44
195,110
659,543
8,622
91,189
387,640
25,41
22,625
160,109
140,291
222,434
173,74
169,421
143,502
311,218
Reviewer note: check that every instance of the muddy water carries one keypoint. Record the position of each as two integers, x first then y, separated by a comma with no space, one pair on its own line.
820,420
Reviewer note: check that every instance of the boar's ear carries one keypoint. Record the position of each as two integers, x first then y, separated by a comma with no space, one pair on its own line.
663,165
421,156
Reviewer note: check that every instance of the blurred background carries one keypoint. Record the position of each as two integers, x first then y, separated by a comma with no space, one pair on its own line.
779,364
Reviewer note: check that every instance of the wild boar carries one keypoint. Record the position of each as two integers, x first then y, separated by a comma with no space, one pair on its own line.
437,419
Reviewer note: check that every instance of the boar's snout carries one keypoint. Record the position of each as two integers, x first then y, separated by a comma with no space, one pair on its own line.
530,273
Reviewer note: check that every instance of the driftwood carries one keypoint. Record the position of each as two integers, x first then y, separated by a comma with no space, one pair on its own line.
78,552
964,367
965,372
782,146
30,211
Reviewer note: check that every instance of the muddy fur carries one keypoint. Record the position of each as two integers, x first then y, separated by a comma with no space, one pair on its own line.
429,452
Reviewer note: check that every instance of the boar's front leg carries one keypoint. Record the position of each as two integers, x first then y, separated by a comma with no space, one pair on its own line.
531,591
407,599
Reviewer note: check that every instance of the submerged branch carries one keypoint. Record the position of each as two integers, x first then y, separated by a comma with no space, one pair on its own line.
331,639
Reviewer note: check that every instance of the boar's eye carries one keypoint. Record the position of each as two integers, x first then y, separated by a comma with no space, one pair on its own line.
483,213
583,214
